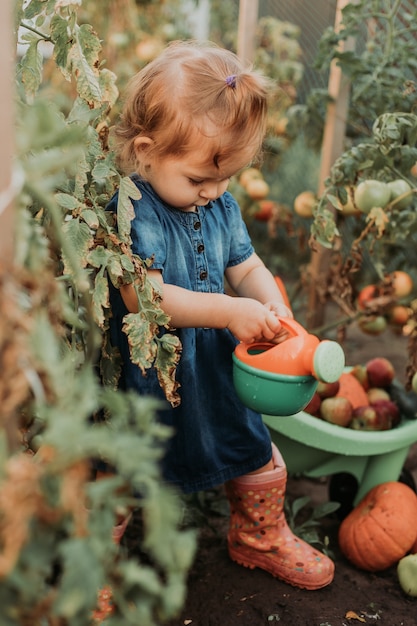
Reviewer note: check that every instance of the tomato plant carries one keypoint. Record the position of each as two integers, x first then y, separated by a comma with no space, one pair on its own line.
374,172
59,400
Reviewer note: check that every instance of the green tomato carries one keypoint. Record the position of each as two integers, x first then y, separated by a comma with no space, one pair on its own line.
407,574
371,193
398,188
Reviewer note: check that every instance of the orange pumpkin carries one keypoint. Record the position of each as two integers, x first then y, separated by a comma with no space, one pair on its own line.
382,528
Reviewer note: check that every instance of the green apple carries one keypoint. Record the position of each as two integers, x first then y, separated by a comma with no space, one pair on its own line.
407,574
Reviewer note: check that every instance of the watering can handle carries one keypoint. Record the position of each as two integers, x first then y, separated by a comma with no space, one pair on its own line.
293,327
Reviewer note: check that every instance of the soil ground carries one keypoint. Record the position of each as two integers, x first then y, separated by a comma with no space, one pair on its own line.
222,593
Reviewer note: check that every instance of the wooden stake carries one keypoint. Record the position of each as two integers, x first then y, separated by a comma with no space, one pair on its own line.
8,181
332,148
248,20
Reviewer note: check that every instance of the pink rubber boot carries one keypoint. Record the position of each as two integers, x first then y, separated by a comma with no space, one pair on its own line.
259,535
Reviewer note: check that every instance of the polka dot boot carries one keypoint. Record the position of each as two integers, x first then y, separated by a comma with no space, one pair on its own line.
259,535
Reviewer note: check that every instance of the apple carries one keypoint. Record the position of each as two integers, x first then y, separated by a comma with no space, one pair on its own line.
387,409
377,393
360,373
336,410
407,574
380,372
327,390
313,407
368,418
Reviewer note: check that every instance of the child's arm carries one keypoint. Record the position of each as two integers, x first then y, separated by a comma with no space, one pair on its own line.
247,318
252,279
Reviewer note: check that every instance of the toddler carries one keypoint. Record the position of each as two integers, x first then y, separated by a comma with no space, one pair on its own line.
193,118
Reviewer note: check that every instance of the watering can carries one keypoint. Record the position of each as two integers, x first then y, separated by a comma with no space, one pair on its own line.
280,379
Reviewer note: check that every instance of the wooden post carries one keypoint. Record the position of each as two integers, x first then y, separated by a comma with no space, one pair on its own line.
8,182
248,20
332,148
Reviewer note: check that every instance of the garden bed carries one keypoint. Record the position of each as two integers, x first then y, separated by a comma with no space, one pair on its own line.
222,593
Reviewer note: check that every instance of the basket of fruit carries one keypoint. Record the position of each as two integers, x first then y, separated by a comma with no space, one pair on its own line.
357,430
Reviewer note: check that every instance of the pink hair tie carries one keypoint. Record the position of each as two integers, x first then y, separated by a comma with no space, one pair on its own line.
231,81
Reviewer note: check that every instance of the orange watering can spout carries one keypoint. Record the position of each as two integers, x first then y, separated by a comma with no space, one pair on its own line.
300,354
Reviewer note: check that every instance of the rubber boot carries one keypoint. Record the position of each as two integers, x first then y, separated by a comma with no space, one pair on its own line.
259,535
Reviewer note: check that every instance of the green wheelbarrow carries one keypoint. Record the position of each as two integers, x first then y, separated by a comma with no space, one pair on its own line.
355,461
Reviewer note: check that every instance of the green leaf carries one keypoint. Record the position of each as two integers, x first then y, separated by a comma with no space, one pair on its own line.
31,69
63,43
66,201
167,359
100,298
298,504
79,564
125,212
101,171
80,240
90,217
99,256
82,59
107,80
140,333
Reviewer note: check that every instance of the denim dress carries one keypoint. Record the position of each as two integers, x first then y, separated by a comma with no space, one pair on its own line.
216,438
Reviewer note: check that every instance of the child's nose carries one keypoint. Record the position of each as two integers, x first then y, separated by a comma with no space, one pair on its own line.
210,191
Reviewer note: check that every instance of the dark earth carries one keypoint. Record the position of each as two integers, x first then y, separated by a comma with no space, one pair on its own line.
222,593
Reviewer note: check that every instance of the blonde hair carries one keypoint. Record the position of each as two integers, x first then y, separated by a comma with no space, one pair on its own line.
188,90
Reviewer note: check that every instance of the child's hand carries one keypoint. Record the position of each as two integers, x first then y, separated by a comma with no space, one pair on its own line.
280,309
253,321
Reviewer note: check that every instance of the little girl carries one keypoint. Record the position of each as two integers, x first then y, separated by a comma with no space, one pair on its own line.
192,119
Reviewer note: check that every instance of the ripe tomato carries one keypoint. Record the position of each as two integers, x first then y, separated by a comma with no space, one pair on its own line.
304,203
257,188
402,283
366,294
371,193
399,314
266,209
398,187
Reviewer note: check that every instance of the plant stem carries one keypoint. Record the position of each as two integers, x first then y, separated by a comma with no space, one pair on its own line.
37,32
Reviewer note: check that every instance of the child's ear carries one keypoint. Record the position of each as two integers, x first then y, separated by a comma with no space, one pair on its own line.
142,148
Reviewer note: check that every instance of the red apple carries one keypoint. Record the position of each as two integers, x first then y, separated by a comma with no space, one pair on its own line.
327,390
336,410
387,409
368,418
380,372
377,393
313,407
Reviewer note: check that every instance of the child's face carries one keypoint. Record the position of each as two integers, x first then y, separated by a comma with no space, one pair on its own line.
189,181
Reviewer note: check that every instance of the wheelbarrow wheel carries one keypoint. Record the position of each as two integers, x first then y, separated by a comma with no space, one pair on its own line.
343,488
407,478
